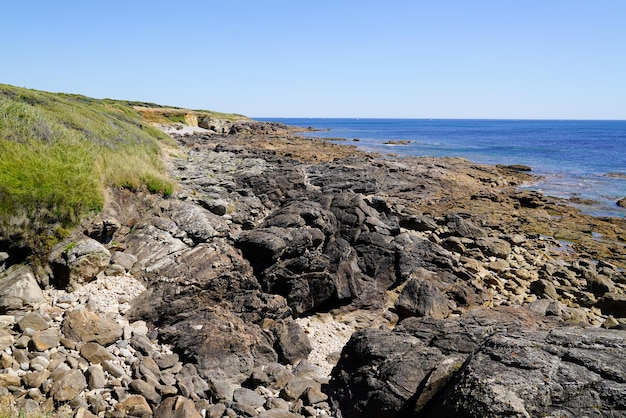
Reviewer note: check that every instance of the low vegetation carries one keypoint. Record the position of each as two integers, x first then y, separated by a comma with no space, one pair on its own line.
59,153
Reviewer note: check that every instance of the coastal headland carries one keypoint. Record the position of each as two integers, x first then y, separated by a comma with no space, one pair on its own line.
293,277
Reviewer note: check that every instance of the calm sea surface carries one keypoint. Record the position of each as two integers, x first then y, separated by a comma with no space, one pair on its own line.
585,159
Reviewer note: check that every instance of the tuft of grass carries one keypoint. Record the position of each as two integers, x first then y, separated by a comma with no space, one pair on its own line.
59,153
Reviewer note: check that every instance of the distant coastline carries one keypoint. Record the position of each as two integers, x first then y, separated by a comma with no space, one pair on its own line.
569,155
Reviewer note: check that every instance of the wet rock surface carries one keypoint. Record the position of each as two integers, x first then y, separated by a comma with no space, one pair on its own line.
293,277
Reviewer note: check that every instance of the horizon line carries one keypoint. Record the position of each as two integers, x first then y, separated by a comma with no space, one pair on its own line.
439,118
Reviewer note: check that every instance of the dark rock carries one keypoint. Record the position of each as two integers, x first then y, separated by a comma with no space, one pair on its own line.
486,363
382,373
292,344
190,384
418,223
221,345
517,167
421,298
566,371
621,203
613,304
103,230
315,279
463,228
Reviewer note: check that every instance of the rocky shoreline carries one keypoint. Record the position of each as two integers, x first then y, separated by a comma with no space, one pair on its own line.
292,277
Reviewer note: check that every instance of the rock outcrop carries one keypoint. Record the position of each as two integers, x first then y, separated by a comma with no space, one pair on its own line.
433,286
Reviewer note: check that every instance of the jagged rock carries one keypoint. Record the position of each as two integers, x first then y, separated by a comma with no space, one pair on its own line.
81,325
103,230
191,384
565,371
418,223
314,278
35,379
177,407
381,372
78,262
19,289
221,345
68,385
153,248
486,363
199,224
292,344
421,298
463,227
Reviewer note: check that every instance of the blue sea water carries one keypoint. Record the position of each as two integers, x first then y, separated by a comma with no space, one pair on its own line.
575,158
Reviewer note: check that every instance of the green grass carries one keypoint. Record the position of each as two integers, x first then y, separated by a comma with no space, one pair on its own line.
59,153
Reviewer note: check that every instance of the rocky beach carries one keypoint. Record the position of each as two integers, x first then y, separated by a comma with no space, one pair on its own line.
290,277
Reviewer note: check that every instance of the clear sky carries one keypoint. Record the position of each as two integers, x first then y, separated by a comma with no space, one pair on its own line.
562,59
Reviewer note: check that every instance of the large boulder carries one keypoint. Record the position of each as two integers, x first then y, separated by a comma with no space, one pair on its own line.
83,326
499,362
221,345
569,372
19,289
78,262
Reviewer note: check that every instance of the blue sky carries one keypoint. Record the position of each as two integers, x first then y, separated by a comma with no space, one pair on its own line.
416,59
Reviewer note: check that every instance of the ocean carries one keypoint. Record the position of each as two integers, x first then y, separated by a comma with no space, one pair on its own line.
575,158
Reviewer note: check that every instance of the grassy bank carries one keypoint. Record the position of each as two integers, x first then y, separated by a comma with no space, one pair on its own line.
59,153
